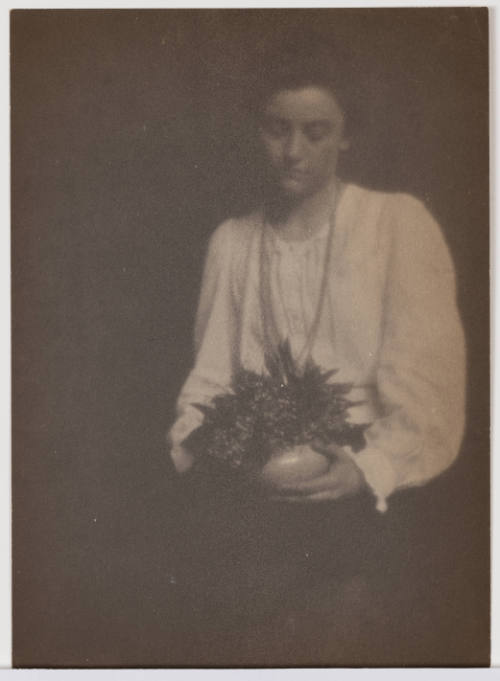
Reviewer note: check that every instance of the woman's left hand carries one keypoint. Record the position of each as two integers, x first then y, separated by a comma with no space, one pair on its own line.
343,478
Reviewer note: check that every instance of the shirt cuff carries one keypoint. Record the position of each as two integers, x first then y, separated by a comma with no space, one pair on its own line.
182,459
378,473
185,424
190,419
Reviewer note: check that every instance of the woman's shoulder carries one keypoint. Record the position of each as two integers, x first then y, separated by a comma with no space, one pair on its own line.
383,222
392,213
232,236
236,228
395,202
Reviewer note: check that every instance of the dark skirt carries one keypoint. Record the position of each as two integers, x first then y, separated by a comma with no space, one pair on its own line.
279,584
260,583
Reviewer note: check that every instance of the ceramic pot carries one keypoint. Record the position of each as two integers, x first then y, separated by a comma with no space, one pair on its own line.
292,466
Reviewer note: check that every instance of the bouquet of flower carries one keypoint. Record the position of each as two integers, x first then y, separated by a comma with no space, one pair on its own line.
263,415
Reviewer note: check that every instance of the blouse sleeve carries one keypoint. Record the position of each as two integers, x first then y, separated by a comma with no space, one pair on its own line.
421,367
214,342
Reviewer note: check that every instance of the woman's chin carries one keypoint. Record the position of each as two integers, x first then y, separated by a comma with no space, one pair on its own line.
293,187
294,191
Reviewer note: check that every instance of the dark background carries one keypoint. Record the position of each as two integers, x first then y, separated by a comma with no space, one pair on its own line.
129,145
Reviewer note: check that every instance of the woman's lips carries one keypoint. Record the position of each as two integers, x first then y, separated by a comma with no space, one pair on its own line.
296,175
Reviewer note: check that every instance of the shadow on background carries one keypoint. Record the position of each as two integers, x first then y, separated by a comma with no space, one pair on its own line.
129,146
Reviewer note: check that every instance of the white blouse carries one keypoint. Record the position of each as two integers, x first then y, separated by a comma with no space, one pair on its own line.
389,324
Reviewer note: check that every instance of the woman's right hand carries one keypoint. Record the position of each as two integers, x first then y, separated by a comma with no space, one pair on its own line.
182,459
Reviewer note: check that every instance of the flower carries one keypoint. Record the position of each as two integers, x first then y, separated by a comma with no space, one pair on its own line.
264,414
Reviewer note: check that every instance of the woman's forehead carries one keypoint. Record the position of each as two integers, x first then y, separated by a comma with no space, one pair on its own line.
304,103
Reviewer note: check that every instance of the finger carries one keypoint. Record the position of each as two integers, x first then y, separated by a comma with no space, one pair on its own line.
332,451
321,483
317,497
329,450
291,493
343,454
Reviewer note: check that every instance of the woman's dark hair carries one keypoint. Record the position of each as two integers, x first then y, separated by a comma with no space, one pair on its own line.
297,65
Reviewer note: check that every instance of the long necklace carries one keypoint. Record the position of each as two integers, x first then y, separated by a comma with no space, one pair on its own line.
268,319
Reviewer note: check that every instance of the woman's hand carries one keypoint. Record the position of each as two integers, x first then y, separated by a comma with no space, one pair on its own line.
343,478
183,460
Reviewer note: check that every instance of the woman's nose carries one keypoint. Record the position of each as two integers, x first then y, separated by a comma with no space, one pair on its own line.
294,146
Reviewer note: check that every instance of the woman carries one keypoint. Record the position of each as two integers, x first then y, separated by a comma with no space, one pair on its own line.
358,280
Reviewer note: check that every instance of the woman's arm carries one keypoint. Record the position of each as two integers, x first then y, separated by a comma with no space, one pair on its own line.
420,371
214,344
421,366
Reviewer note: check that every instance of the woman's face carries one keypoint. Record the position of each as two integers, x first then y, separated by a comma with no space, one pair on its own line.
303,132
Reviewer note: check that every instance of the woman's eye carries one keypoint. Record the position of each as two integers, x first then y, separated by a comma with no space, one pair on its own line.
316,131
275,127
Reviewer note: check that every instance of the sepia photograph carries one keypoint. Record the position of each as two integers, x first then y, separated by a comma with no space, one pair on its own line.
250,338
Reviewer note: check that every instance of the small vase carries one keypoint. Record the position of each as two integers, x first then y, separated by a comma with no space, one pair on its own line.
293,466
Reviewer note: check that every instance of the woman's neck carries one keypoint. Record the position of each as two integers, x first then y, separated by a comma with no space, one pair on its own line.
299,220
